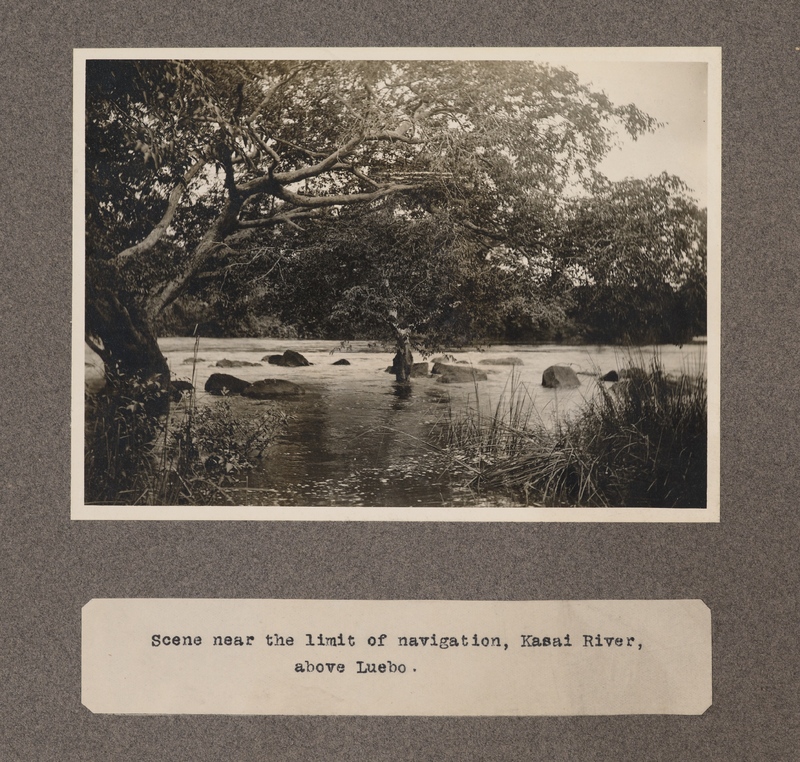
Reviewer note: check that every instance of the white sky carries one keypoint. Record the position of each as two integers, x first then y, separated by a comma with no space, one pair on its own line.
675,93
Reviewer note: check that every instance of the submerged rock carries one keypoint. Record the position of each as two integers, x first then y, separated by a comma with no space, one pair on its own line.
289,359
560,377
225,363
272,387
221,383
342,362
192,360
440,397
457,374
502,361
444,359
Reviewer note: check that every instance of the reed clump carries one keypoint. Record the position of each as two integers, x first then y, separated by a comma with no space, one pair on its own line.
639,443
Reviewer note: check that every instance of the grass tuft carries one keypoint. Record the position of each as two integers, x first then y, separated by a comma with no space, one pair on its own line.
641,442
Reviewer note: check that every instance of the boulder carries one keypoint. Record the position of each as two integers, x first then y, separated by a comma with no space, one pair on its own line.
289,359
220,383
560,377
502,361
292,359
272,387
342,362
236,364
419,369
612,375
457,374
177,388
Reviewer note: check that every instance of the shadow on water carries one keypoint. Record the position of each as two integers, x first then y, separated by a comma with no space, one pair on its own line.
402,391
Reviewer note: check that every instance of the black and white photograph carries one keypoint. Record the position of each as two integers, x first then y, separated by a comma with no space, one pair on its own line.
407,284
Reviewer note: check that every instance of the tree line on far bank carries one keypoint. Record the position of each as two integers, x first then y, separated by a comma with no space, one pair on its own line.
625,265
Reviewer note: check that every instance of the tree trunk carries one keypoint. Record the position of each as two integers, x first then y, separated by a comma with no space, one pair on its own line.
122,334
403,360
124,327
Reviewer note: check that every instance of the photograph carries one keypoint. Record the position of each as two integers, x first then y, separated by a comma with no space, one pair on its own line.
397,284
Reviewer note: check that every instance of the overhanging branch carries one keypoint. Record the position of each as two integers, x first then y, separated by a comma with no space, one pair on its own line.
314,170
340,199
161,227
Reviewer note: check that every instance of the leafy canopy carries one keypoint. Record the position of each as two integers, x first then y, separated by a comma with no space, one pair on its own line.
422,188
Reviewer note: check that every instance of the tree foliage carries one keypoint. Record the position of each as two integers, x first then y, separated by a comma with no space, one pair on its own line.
369,192
635,252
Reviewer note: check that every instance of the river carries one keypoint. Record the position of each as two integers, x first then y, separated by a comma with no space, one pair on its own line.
356,438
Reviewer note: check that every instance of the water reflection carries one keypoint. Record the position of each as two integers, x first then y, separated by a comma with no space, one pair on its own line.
402,391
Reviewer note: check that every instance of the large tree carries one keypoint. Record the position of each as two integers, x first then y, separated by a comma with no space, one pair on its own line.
195,166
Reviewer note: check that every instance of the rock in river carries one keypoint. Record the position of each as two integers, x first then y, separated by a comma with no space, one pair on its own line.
457,374
219,383
272,387
236,364
289,359
419,369
502,361
560,377
178,387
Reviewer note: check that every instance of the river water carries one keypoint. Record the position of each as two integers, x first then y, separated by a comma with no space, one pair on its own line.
356,438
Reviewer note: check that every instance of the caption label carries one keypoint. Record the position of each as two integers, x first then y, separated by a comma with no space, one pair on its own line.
457,658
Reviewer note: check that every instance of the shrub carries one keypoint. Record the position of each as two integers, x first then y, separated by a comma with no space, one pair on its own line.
224,443
141,449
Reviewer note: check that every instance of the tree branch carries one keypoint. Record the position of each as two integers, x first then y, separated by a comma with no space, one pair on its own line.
495,236
306,151
280,218
361,176
340,199
158,231
271,92
393,137
314,170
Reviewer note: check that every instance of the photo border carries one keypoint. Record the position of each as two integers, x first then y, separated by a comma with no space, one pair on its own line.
710,514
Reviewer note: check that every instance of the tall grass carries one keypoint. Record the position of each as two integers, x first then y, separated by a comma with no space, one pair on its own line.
642,442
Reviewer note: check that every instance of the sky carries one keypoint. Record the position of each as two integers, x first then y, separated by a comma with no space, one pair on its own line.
674,93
